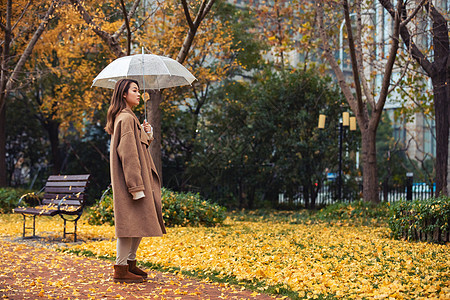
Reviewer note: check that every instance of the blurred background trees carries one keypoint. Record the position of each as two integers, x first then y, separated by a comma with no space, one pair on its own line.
243,134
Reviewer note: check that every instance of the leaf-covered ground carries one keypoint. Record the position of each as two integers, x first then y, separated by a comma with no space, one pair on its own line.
30,272
274,255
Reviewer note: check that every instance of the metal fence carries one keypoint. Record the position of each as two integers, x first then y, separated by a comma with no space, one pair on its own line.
328,194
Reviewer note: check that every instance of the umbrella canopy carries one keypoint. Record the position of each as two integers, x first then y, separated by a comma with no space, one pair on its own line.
151,71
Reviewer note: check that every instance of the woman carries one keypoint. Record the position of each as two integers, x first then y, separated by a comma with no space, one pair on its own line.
135,181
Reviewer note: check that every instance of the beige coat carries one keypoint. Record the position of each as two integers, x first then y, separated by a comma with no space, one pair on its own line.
133,170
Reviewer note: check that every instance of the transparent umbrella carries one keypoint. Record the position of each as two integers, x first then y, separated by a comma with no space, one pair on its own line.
153,72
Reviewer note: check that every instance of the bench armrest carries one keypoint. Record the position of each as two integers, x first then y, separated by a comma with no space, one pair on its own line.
24,196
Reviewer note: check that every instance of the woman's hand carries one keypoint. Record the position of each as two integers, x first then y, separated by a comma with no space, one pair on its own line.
148,128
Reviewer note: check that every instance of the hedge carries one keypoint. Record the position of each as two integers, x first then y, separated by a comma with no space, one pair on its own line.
9,198
421,220
179,209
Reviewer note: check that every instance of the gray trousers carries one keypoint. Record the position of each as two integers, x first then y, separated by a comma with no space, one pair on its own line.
126,249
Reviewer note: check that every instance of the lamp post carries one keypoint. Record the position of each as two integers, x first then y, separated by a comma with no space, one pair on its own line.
344,121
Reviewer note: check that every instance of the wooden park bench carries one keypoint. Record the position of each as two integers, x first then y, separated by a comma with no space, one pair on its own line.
64,195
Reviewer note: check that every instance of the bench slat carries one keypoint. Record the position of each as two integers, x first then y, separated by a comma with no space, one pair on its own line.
51,196
64,190
67,189
65,202
83,177
66,184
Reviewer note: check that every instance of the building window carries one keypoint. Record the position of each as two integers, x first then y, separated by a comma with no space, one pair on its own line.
429,140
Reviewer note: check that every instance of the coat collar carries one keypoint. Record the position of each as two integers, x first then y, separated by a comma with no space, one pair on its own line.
129,111
143,136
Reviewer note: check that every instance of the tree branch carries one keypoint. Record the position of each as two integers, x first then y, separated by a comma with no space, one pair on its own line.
334,65
21,15
130,14
127,24
407,20
440,38
410,45
110,40
360,60
31,44
389,64
187,14
351,45
204,9
207,8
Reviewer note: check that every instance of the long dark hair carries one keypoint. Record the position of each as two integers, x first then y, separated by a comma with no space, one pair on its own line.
117,102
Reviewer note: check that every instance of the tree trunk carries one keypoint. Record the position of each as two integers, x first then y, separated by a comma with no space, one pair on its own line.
6,83
154,118
442,131
4,67
448,163
438,71
52,128
369,158
448,114
3,181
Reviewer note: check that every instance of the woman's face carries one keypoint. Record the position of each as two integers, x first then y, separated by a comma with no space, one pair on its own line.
132,96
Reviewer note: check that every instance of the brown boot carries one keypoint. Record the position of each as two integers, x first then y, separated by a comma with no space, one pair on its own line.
121,274
135,270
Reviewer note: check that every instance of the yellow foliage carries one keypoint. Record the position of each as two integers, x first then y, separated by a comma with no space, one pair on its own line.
70,54
345,261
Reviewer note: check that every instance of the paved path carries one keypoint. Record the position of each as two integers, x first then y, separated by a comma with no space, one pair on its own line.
34,272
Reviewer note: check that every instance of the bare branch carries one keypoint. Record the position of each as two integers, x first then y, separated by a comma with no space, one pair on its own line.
360,60
418,8
31,44
130,15
204,9
127,24
407,39
207,8
397,84
21,15
334,65
187,14
390,63
353,55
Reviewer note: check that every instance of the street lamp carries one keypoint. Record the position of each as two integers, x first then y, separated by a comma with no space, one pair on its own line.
344,121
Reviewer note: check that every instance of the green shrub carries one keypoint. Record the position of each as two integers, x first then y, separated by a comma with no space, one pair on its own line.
9,198
103,211
425,220
361,212
179,209
188,209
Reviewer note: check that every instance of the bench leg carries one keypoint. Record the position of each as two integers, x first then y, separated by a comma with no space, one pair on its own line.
25,227
74,231
64,234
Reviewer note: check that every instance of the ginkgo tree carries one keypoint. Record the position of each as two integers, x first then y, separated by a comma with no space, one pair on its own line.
287,27
194,12
65,57
364,102
212,58
21,25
